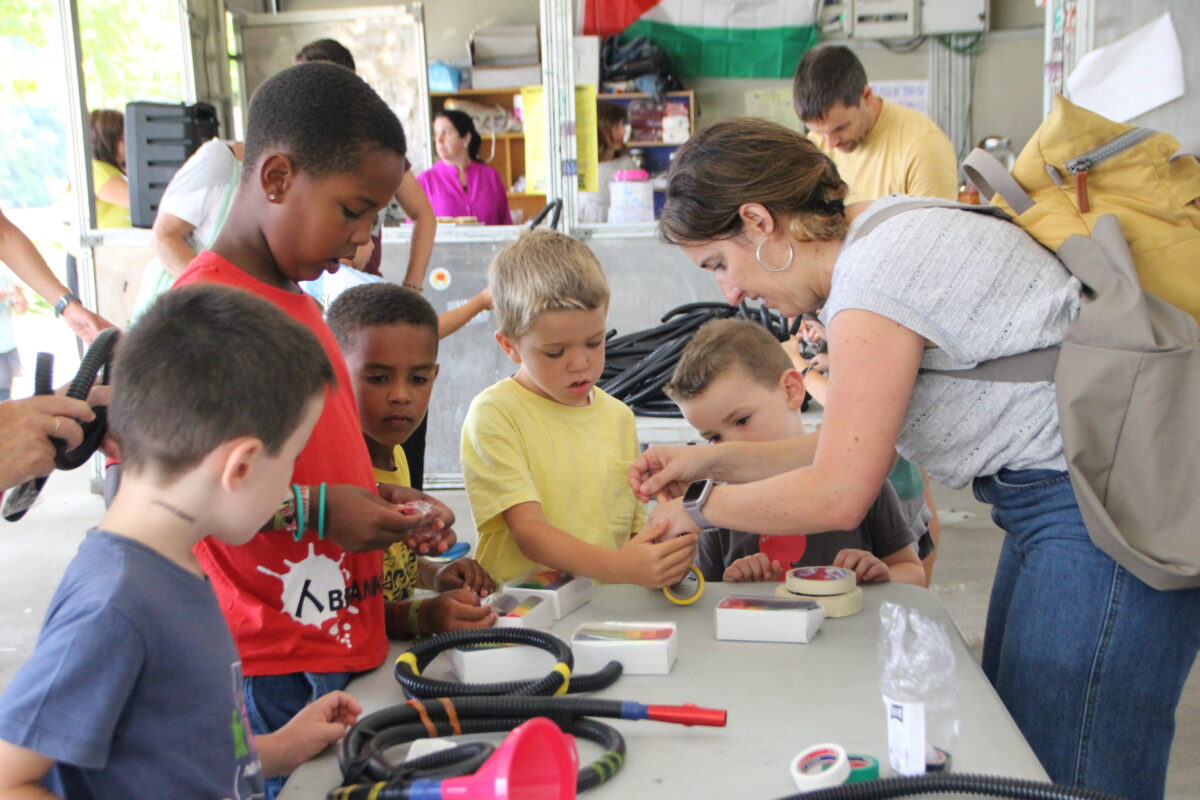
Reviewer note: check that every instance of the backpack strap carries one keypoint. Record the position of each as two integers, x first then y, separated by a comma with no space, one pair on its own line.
991,178
1035,365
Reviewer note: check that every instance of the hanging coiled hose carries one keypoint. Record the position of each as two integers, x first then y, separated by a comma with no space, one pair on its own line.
949,782
368,773
638,365
96,363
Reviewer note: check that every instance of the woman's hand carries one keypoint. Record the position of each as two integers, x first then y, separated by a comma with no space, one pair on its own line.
665,472
26,429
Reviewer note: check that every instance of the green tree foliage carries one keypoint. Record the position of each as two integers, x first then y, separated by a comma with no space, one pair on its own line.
132,50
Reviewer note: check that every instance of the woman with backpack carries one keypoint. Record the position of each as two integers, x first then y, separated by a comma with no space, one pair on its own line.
1089,660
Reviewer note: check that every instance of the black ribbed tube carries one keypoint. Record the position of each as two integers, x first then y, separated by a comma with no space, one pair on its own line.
950,782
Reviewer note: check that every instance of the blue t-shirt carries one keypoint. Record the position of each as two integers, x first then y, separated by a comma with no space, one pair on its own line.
135,686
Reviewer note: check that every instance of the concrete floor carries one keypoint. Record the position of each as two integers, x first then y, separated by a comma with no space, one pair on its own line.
34,552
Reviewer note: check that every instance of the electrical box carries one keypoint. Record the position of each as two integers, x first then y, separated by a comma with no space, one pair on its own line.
882,19
159,137
953,16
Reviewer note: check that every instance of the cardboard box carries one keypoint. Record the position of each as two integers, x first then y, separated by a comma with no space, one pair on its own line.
749,618
506,77
586,54
530,611
505,45
493,663
643,648
565,591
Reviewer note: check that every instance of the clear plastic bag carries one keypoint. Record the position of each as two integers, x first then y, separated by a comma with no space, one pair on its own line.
919,690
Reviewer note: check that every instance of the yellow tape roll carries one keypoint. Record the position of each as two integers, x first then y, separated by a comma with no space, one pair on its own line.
688,590
835,605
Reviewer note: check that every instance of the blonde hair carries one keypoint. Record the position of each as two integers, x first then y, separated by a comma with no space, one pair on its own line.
751,160
721,344
544,271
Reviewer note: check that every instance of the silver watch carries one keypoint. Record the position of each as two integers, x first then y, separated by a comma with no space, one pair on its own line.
693,503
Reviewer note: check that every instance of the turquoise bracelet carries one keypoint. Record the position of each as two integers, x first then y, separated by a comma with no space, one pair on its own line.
299,534
321,515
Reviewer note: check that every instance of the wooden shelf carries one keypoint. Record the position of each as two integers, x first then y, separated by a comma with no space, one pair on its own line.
642,95
476,92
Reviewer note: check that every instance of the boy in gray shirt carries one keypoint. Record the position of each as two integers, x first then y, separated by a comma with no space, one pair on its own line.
134,689
734,383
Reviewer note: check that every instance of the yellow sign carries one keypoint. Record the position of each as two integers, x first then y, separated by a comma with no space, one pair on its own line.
587,146
533,111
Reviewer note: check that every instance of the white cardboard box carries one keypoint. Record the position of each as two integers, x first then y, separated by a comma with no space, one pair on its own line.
586,54
506,77
767,619
567,592
530,611
492,663
643,648
505,45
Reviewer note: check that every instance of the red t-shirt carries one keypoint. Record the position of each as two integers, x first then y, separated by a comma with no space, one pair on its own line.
306,606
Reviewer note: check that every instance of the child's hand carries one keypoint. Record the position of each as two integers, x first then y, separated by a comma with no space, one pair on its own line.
756,567
646,561
433,532
315,727
455,610
358,520
464,573
866,566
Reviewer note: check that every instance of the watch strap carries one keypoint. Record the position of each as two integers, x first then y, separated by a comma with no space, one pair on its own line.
695,507
63,302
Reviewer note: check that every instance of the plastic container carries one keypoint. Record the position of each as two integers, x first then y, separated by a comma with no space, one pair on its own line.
632,197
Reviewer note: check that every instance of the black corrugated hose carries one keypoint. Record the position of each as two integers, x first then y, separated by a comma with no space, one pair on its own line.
95,363
638,365
958,783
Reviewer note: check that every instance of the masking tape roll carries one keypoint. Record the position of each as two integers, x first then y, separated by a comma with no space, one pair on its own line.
820,580
835,605
688,590
862,768
820,767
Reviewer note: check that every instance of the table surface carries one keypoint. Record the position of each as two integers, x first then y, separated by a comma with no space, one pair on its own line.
781,699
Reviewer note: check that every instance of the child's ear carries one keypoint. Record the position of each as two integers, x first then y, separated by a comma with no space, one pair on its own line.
238,461
277,176
792,383
508,347
436,369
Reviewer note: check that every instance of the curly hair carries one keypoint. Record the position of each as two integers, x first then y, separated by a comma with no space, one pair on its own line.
375,304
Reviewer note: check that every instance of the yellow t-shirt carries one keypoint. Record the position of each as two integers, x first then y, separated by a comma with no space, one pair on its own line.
905,153
399,563
519,447
108,215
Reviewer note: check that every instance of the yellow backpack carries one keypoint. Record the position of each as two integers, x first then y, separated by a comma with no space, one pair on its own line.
1080,166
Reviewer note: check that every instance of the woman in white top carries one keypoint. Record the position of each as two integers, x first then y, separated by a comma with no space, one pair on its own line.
1089,660
611,127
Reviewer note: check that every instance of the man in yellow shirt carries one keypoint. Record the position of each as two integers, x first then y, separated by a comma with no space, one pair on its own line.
880,148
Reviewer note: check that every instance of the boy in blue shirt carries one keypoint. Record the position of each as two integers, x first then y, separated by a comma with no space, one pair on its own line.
134,689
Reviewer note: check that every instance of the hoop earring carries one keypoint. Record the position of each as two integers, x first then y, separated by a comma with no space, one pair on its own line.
763,264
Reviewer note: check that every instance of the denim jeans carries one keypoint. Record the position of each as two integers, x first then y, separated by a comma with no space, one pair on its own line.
272,700
1089,660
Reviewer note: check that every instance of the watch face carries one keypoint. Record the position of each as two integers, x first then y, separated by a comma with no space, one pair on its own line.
694,490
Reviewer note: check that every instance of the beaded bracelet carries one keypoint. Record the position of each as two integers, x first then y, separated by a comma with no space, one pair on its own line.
301,495
416,287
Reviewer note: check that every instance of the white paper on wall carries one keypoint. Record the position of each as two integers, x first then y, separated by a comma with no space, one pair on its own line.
1132,75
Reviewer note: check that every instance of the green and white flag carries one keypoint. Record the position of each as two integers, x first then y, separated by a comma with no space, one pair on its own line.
719,38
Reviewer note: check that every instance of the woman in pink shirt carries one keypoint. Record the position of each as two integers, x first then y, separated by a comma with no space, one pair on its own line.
460,185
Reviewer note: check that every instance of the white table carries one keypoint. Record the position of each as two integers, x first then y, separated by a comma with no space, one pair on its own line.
781,698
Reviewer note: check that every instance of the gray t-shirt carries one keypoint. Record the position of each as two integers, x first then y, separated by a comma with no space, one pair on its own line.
882,532
135,686
978,288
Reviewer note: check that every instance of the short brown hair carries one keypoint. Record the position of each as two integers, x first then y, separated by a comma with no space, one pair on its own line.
716,347
751,160
206,364
824,77
544,271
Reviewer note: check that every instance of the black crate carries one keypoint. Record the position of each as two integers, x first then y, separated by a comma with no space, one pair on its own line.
159,137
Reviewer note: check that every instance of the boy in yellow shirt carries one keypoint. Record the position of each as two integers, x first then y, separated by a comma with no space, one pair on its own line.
389,337
545,452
